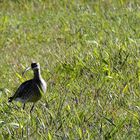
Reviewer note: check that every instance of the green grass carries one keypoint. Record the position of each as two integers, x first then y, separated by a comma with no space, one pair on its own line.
89,52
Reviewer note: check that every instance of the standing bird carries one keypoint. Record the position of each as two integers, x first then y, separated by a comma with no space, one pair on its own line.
31,90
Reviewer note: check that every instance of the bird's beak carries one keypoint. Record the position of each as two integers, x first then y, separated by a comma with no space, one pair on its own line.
28,68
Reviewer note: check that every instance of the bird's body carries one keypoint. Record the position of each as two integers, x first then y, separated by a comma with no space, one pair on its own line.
31,90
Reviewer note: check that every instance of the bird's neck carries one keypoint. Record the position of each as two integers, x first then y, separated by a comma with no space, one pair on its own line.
37,74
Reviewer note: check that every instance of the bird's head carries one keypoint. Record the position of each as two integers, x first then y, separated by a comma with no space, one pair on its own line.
34,66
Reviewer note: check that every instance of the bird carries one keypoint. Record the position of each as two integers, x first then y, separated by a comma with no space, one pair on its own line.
30,90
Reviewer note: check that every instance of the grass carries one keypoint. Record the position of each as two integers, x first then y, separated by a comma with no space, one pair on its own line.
89,56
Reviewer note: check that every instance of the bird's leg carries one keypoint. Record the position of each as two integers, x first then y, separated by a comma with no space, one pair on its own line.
47,105
23,106
32,108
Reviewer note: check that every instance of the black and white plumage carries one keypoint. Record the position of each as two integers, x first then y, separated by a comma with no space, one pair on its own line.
31,90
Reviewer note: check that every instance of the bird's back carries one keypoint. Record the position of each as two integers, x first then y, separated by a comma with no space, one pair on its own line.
28,91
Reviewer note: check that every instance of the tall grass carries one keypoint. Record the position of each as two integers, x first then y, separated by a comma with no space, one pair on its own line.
89,53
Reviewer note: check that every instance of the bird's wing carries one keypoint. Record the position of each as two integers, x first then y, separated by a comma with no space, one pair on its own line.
24,89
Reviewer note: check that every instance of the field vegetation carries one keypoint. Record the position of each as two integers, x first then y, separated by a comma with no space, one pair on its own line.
89,52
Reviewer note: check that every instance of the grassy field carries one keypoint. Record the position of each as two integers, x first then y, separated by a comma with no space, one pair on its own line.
89,52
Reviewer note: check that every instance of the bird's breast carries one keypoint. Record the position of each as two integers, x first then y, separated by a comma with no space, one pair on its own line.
43,85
